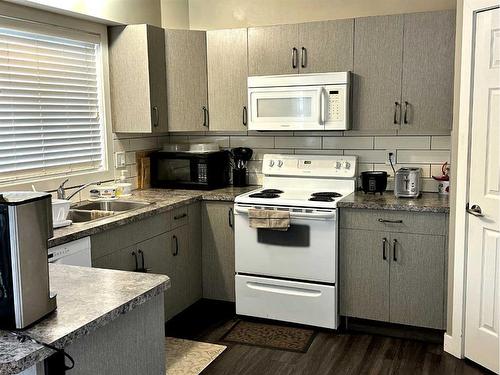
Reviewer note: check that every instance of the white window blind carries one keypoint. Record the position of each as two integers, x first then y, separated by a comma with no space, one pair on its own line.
50,104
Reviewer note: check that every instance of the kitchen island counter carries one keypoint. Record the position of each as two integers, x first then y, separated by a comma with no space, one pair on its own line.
88,299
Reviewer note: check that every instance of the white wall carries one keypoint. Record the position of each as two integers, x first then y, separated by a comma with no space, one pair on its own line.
219,14
175,14
109,11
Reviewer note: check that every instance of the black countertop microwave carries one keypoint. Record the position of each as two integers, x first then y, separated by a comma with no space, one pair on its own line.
190,170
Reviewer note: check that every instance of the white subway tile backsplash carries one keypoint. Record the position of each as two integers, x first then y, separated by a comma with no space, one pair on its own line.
442,142
137,144
425,168
400,142
348,143
254,166
222,141
367,156
298,142
251,141
320,152
364,167
258,153
422,157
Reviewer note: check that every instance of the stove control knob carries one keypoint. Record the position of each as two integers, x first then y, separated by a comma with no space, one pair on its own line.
280,163
347,165
338,165
271,163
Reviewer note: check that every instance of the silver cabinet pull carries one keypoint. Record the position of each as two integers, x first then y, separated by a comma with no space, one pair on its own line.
294,58
396,107
205,116
245,115
181,216
394,246
390,221
156,116
405,116
474,210
303,57
384,242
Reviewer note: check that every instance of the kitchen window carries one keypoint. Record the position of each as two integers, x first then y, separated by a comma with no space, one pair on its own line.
52,120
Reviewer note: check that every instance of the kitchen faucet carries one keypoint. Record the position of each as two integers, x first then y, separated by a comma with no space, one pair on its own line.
61,192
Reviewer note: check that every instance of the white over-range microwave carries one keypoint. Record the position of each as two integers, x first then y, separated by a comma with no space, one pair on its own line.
319,101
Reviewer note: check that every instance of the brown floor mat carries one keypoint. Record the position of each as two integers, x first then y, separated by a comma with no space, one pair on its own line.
270,336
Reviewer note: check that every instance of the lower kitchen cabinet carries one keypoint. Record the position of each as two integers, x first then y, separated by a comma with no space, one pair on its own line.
392,275
364,272
175,252
218,250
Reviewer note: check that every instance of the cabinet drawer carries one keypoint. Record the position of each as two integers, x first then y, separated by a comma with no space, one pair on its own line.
394,221
180,217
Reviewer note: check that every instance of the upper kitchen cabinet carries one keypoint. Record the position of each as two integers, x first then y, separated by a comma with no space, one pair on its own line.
273,50
227,79
313,47
186,62
326,46
428,60
137,79
378,51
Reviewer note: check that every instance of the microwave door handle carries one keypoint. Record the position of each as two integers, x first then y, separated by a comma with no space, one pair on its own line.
322,106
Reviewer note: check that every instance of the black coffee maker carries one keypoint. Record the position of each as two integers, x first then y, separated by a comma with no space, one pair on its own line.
240,156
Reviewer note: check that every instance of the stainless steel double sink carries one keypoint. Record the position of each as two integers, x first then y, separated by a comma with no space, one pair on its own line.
84,212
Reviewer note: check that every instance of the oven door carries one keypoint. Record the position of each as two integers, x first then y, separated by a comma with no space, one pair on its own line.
286,108
306,251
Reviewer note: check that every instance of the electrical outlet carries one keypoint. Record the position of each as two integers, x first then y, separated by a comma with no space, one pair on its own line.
390,156
120,160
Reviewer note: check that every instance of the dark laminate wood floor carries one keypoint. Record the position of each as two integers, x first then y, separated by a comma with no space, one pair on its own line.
330,353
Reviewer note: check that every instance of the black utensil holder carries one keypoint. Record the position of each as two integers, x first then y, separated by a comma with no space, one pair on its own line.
240,177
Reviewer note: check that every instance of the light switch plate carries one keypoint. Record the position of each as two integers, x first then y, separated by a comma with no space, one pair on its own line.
120,160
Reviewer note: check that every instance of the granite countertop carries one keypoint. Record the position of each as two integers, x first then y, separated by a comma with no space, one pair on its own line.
161,200
87,299
427,202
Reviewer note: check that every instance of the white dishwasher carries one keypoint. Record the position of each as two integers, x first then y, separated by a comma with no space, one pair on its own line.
74,253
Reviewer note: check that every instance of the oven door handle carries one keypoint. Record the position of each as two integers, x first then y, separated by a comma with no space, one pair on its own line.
312,215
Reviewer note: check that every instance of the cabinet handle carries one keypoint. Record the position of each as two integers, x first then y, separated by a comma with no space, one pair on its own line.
390,221
156,116
245,115
230,217
396,107
206,119
303,57
384,242
394,247
405,117
143,268
294,58
182,216
134,254
176,251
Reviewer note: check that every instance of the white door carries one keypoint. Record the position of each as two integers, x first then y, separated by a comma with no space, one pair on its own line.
483,250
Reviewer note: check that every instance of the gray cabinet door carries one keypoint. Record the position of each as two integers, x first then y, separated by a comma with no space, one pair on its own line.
122,260
428,59
270,50
417,280
227,79
186,60
157,78
378,51
137,79
326,46
364,274
218,250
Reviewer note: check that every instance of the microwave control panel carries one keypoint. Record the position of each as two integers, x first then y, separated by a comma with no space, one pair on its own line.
336,104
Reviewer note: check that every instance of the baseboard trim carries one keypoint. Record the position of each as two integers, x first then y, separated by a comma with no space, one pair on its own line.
453,345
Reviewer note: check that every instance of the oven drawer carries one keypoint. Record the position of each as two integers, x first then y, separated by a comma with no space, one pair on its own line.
289,301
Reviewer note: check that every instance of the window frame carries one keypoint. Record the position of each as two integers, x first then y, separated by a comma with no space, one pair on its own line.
50,22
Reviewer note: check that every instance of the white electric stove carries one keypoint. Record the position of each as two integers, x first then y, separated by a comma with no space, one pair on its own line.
292,275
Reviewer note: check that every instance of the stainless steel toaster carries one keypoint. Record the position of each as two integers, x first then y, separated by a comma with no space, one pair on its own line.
407,183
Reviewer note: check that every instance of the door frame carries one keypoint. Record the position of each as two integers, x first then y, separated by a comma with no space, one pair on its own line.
454,339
